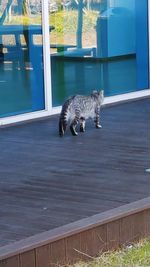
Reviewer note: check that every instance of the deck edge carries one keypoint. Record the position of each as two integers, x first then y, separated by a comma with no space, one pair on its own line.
74,228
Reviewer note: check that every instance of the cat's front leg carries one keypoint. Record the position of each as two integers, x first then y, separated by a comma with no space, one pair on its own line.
97,119
97,124
73,126
82,125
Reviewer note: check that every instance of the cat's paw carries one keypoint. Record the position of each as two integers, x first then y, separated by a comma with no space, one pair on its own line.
73,131
82,130
98,126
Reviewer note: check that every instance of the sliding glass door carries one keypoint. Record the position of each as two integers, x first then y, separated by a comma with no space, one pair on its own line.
93,45
21,57
98,44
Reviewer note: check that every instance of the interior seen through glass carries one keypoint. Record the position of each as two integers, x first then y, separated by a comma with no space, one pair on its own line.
21,57
98,44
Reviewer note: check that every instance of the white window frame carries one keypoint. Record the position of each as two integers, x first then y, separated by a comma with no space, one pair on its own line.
49,110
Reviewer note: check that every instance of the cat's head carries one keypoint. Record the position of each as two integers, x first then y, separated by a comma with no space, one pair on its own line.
99,95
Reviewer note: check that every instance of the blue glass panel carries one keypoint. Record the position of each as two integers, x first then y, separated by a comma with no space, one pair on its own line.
98,45
142,53
21,59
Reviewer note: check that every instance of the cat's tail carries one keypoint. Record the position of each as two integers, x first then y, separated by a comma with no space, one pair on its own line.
63,120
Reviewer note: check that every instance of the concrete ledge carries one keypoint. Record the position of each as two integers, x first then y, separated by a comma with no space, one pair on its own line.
117,99
38,115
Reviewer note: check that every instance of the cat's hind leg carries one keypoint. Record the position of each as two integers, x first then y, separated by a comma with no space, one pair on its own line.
62,126
73,126
82,124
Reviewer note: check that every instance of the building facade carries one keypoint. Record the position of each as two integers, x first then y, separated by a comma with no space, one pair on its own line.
50,50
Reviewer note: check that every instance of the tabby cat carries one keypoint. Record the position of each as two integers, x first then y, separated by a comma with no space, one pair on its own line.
79,108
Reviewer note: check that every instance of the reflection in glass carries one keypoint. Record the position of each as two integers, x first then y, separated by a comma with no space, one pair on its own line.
96,44
21,59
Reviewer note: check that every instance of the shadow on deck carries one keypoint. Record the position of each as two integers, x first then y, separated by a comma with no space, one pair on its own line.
48,182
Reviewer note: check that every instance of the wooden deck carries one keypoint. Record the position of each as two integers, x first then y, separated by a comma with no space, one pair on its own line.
47,181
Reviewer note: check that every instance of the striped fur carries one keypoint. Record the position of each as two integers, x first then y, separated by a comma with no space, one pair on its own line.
79,108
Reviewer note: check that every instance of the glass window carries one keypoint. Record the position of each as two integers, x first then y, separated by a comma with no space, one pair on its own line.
21,57
98,44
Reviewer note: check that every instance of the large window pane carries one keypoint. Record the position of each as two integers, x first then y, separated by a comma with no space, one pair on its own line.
97,44
21,58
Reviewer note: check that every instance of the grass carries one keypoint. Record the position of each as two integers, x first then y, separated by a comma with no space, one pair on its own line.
137,255
24,20
65,23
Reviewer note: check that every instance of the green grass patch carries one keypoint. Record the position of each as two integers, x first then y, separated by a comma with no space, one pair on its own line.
24,20
63,21
137,255
66,21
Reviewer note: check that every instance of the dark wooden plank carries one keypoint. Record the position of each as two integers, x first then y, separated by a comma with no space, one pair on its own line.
58,253
126,230
87,244
132,228
88,238
43,256
72,178
27,259
73,249
147,222
1,264
113,235
139,226
100,239
12,262
94,241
